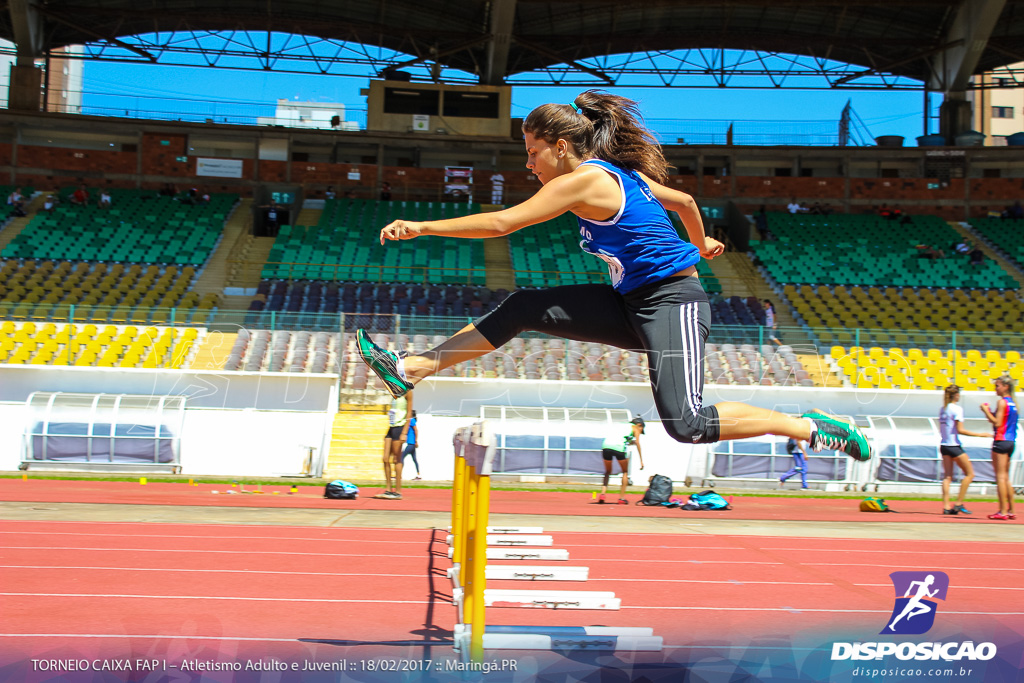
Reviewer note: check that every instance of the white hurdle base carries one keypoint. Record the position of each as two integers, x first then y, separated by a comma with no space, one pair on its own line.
540,554
535,573
517,539
512,530
593,638
605,600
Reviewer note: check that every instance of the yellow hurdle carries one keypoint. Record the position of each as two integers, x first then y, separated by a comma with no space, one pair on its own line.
471,493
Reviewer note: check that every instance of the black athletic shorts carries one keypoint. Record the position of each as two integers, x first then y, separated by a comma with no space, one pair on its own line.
1003,447
669,320
394,433
612,454
951,451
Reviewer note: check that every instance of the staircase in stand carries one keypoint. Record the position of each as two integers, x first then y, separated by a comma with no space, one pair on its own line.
357,443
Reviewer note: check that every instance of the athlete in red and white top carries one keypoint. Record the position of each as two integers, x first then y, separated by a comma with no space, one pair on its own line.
1004,439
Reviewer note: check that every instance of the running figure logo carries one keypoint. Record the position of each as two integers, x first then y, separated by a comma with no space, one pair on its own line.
915,608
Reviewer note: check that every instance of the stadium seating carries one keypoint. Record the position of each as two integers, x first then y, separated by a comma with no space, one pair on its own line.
304,303
97,291
138,228
869,250
104,346
1006,235
345,245
529,359
895,314
930,369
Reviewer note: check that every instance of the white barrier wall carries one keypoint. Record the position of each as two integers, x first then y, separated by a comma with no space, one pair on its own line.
441,397
258,424
239,423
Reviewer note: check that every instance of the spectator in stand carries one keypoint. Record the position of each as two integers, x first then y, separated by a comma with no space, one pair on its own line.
1016,212
976,256
385,191
204,197
329,192
80,197
168,190
761,223
962,247
497,188
794,206
271,218
924,251
52,200
104,202
769,321
16,200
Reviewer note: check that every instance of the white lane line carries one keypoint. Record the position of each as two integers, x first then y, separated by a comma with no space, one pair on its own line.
883,564
206,525
221,552
265,571
424,602
891,552
150,534
211,571
291,553
976,588
132,596
802,609
630,580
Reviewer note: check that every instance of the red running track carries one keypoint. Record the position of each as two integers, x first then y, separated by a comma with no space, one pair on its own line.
181,591
439,500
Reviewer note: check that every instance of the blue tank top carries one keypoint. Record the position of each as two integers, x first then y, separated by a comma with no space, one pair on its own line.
639,244
1008,430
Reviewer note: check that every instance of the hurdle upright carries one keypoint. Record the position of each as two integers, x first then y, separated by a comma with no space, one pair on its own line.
471,492
474,458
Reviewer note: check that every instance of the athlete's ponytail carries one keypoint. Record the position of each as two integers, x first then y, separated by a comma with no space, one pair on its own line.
950,392
602,126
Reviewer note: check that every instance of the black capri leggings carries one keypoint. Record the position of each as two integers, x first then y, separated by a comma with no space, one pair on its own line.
669,320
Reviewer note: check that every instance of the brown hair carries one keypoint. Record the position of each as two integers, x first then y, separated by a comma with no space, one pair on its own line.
603,126
951,391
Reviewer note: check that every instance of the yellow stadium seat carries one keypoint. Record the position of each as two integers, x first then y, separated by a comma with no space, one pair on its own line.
837,352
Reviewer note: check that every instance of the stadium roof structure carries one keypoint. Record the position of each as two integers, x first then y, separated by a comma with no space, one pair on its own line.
849,43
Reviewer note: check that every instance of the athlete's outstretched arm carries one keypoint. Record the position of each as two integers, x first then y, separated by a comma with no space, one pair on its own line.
689,213
571,191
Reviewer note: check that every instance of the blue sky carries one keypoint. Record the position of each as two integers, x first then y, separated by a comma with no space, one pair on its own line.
117,86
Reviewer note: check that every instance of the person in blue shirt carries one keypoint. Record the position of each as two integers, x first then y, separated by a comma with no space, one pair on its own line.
795,447
410,445
595,159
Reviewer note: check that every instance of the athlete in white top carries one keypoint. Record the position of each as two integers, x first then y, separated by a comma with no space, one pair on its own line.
951,426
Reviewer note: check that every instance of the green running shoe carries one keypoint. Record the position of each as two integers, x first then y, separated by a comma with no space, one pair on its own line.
384,364
836,435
